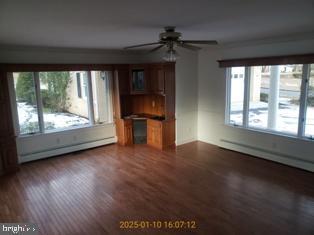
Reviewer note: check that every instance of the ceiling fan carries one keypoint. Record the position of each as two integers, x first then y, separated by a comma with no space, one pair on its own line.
170,38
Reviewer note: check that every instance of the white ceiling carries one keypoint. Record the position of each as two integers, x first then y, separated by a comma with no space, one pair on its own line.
116,24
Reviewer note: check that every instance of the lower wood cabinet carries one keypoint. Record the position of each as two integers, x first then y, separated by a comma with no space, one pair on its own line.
124,129
161,134
154,133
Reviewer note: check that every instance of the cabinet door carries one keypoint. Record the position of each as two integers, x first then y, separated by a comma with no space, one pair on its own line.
128,132
149,134
157,136
157,79
154,133
170,90
124,84
139,77
160,81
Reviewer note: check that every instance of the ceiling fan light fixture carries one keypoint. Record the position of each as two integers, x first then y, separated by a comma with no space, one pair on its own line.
171,55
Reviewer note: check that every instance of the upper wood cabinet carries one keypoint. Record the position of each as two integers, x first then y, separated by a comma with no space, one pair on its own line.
157,79
120,88
123,74
170,89
139,79
124,129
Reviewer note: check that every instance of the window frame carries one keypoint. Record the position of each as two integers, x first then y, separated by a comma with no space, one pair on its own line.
42,130
245,121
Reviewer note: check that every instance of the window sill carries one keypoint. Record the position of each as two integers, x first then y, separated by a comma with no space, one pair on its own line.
70,129
286,135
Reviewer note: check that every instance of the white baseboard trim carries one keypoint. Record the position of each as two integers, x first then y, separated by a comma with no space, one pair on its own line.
181,142
269,155
67,149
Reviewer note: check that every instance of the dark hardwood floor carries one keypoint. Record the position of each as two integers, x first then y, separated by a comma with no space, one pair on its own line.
225,192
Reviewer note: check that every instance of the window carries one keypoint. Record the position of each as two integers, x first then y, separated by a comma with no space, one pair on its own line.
275,97
101,96
270,98
84,88
26,102
50,101
259,91
61,107
289,92
237,96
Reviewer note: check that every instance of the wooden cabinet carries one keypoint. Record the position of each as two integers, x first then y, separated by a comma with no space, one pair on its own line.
121,88
170,89
139,79
124,129
160,134
128,132
154,133
149,91
123,75
157,79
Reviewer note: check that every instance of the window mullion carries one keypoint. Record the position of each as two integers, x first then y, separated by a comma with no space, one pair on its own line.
39,103
303,99
246,96
90,100
228,95
109,95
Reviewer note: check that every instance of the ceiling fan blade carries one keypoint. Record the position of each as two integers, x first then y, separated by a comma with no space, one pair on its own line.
208,42
187,46
142,45
156,48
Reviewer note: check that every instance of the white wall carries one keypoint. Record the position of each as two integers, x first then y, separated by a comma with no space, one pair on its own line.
55,143
211,107
186,96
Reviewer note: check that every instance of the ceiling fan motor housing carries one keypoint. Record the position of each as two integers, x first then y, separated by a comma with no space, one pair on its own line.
169,34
